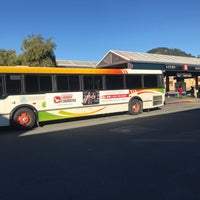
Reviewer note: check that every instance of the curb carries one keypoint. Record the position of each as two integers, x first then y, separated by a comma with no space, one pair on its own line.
182,101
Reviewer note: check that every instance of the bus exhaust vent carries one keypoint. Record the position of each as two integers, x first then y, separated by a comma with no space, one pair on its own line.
157,100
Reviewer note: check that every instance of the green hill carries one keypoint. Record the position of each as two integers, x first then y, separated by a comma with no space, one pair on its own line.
167,51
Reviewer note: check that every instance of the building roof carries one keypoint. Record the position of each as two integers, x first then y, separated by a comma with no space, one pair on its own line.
72,63
115,57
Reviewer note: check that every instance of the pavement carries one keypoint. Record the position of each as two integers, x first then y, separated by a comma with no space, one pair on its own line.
182,99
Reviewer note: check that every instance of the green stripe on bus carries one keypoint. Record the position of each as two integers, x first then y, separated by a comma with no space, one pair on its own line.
45,116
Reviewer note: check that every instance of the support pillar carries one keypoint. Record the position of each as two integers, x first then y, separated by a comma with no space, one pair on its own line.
196,82
167,83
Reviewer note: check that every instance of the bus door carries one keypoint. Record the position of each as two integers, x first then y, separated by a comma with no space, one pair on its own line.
2,99
1,86
3,120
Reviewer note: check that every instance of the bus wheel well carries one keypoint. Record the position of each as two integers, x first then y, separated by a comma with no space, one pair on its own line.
24,117
135,106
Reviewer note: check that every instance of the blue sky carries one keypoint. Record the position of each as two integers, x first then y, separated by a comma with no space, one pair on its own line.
86,30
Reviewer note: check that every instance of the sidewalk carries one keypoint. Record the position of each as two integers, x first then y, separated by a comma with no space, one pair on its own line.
183,99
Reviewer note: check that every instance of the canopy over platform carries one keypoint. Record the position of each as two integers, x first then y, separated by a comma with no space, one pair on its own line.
124,59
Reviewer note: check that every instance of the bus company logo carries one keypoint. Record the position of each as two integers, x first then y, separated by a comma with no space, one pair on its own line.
57,99
66,98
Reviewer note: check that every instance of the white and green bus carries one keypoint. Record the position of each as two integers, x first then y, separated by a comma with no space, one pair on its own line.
32,95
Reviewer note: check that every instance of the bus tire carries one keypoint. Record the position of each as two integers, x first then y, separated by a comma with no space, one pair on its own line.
24,118
135,107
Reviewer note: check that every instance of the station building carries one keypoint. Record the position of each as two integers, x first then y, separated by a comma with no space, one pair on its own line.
177,70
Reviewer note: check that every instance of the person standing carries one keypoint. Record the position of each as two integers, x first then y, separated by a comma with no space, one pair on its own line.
180,91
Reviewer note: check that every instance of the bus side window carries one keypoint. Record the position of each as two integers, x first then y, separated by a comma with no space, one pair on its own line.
31,84
150,81
13,84
92,82
114,82
45,83
88,82
98,83
74,83
133,81
62,82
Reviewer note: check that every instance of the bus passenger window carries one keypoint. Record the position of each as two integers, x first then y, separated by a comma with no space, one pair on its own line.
45,83
88,82
92,82
114,82
13,84
98,84
133,81
150,81
62,83
31,84
74,84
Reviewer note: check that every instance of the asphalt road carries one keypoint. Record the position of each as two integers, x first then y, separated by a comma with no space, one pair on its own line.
152,156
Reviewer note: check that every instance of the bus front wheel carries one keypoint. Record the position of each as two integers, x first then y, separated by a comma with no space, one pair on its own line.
24,118
135,107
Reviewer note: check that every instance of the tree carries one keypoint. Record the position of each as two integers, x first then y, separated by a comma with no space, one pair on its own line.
8,57
167,51
38,52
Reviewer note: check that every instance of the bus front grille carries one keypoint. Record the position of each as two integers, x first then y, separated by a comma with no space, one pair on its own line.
157,100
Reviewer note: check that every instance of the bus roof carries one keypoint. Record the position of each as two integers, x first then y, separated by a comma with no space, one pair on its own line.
58,70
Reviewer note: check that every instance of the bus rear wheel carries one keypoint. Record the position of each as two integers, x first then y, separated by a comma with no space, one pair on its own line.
24,118
135,107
